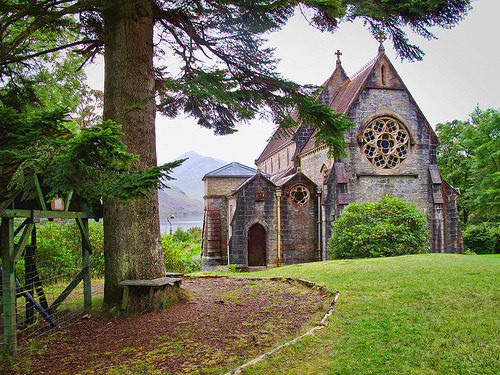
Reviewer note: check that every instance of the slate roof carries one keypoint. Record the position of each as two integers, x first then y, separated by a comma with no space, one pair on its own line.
264,176
233,169
277,141
339,91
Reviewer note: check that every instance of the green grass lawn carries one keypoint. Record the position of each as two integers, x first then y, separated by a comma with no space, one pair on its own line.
415,314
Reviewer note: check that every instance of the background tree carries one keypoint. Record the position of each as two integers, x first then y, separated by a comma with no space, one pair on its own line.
469,158
225,75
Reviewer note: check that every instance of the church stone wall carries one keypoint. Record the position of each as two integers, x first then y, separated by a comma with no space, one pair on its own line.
222,186
410,180
254,203
453,232
299,227
215,228
311,164
278,162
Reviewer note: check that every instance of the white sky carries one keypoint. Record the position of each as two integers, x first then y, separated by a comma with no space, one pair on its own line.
459,72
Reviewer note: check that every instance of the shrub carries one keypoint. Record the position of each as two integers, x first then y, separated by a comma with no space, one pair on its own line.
177,253
480,239
59,249
195,233
388,227
181,236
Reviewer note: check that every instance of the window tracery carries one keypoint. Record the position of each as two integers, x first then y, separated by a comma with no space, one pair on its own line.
299,195
386,142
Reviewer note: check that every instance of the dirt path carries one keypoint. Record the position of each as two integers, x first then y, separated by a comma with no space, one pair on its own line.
226,322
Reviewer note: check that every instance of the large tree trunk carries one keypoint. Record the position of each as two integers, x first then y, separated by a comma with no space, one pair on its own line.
132,243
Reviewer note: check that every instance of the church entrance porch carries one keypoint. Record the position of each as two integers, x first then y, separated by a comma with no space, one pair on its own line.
256,246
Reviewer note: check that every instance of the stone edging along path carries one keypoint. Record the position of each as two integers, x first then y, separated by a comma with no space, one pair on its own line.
291,280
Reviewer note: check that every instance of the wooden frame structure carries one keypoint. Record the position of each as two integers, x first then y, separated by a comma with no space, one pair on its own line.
33,211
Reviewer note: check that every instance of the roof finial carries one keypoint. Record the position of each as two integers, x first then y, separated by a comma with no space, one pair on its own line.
381,39
338,53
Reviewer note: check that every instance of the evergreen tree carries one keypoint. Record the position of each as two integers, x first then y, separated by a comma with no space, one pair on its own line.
226,76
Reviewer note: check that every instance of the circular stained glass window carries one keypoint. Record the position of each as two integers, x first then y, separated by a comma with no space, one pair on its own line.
300,195
387,142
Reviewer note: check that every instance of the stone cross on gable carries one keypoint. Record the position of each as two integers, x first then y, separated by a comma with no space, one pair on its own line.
381,39
338,53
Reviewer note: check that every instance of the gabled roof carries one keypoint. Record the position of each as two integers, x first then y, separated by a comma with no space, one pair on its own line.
233,169
345,96
286,179
350,91
259,174
277,141
341,93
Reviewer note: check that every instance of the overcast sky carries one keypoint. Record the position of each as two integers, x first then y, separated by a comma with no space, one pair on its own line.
459,72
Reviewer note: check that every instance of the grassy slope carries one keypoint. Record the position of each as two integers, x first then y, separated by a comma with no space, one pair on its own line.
419,314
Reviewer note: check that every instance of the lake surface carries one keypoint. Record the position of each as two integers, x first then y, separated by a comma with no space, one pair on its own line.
184,222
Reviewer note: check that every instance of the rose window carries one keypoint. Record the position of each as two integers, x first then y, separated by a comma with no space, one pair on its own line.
300,195
387,143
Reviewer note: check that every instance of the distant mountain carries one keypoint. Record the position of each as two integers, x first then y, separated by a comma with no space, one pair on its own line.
175,201
188,176
185,196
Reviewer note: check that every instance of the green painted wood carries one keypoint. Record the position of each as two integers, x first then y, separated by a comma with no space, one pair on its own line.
68,201
83,225
72,285
21,245
20,227
8,285
44,214
39,191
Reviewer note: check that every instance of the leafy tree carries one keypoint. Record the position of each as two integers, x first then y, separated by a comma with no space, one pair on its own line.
89,109
388,227
486,177
479,239
454,157
50,81
469,158
226,75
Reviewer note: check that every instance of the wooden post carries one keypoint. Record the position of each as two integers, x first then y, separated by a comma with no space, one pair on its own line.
8,285
87,292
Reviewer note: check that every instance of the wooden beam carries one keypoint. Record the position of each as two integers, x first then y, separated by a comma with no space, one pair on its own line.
8,285
20,246
83,225
40,193
44,214
68,201
72,285
20,227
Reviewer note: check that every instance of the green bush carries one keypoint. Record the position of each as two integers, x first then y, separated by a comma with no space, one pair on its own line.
181,236
495,230
59,249
480,239
388,227
177,253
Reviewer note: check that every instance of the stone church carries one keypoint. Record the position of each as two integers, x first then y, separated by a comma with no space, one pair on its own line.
281,212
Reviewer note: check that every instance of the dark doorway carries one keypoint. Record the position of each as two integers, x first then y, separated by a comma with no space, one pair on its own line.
256,245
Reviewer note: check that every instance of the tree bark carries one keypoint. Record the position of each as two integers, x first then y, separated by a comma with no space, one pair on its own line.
132,243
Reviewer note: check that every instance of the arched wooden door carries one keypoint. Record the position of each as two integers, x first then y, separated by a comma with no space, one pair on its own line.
256,245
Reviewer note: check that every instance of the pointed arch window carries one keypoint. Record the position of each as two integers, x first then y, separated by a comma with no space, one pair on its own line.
382,73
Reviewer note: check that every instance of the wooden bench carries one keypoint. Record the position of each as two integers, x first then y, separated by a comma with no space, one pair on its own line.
172,279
